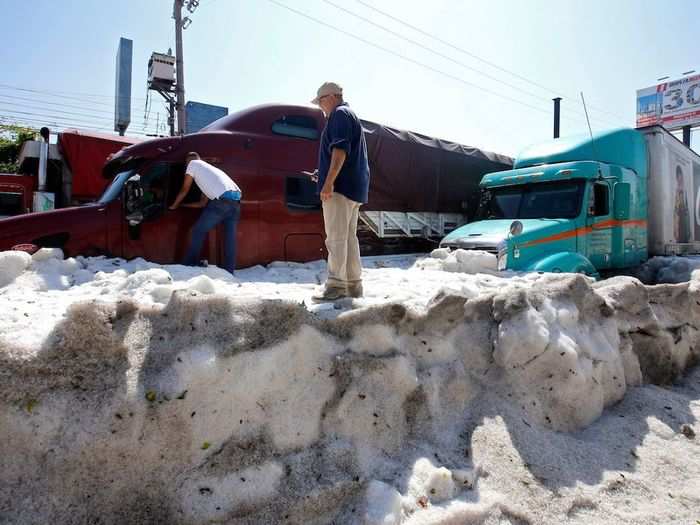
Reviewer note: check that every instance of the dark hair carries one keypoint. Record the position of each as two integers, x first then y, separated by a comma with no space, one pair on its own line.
192,155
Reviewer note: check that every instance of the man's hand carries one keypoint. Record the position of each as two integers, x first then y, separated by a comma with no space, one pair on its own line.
186,184
326,192
313,175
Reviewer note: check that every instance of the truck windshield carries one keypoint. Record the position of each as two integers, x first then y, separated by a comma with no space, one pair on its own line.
115,188
544,200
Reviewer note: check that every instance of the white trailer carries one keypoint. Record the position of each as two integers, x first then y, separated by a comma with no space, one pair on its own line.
673,189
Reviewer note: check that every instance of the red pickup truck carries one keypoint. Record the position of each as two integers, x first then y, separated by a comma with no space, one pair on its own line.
265,149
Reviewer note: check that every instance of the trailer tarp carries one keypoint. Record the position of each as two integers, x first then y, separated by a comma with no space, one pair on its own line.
410,171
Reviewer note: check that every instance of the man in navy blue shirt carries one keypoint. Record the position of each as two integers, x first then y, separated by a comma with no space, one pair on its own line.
343,183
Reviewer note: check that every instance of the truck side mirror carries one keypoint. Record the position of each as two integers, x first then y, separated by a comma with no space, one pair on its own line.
621,195
133,194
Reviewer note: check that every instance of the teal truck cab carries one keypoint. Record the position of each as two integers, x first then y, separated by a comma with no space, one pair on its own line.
589,204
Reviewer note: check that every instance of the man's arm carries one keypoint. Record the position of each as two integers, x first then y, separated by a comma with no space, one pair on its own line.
186,185
337,159
201,203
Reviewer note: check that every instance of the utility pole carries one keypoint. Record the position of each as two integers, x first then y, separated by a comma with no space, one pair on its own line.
171,116
166,73
180,25
179,68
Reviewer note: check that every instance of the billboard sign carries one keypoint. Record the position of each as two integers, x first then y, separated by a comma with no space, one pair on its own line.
672,104
122,96
198,115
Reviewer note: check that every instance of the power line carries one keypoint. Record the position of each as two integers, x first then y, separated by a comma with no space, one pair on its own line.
474,56
55,94
71,93
407,59
60,125
44,112
92,122
54,124
46,117
58,104
51,109
437,53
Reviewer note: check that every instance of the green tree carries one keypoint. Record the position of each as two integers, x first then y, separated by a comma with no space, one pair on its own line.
11,139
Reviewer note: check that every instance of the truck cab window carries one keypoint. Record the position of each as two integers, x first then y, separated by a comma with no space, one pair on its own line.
300,193
175,178
296,126
542,200
552,200
147,193
500,204
154,182
599,207
115,187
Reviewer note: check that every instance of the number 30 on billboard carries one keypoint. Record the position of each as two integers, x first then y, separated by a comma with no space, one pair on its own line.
671,104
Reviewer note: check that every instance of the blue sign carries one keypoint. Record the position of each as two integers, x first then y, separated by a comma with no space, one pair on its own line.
199,115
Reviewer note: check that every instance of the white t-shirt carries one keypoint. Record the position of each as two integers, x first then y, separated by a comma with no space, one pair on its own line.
210,179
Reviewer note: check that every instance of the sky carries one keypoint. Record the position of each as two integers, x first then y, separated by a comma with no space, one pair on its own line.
479,73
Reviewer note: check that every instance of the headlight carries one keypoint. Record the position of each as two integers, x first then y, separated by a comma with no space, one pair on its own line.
502,255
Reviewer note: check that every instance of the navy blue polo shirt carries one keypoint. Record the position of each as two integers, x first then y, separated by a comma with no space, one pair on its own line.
344,130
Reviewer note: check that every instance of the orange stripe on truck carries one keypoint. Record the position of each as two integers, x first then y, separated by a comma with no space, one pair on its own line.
603,225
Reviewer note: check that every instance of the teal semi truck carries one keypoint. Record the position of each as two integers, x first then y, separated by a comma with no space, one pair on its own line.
589,204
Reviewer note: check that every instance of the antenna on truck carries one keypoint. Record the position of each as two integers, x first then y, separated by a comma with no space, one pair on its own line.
590,131
586,111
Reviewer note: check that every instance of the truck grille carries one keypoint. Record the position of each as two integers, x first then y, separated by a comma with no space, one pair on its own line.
471,246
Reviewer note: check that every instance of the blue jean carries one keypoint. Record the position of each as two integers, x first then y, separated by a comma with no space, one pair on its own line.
215,212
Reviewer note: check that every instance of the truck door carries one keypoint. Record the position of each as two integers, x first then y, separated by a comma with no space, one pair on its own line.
156,236
292,229
630,234
244,174
164,235
306,242
178,223
599,226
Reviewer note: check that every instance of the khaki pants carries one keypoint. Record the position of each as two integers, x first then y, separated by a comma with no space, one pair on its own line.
340,216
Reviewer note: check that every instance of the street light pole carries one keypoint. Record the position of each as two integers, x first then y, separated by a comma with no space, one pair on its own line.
179,68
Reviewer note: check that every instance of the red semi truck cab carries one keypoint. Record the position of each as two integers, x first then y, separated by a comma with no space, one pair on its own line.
265,149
